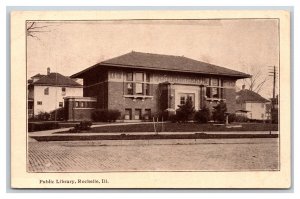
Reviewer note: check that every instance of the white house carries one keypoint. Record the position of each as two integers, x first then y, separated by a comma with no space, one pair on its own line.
251,104
46,92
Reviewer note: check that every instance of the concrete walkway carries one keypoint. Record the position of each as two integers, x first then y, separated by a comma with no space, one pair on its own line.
51,132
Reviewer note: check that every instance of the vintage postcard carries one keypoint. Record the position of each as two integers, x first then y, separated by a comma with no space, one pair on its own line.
150,99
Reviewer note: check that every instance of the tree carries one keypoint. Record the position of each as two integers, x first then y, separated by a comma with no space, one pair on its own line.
220,110
203,115
32,29
185,111
256,82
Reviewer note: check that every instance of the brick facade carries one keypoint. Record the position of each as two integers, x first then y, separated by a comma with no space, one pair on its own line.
110,91
230,99
79,108
116,100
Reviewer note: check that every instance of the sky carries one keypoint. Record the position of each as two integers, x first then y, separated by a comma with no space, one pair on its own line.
67,47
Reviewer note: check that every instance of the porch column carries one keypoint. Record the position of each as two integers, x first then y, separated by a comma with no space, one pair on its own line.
171,97
201,96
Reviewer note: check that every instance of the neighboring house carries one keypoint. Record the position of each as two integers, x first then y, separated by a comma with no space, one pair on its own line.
252,105
46,92
142,84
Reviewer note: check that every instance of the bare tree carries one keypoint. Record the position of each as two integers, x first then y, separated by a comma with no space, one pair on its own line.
33,28
256,82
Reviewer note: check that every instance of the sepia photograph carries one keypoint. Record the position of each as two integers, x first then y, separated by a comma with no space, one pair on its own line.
138,95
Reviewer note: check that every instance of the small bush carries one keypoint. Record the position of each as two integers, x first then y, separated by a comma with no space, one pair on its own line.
237,118
105,115
42,116
57,114
173,118
42,126
203,115
83,126
219,113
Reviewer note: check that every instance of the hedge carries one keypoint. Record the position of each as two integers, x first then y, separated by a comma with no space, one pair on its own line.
42,126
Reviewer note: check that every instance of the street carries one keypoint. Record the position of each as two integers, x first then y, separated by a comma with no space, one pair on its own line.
154,155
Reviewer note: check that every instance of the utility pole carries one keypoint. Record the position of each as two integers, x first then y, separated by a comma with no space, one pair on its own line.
273,74
274,82
273,101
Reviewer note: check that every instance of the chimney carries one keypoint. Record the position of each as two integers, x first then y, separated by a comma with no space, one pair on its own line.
48,71
243,87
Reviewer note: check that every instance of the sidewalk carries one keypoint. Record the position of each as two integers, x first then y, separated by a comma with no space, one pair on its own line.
50,132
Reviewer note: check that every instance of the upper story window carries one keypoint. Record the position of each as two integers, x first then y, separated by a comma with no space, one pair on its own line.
46,91
215,89
63,90
137,83
129,88
129,77
139,77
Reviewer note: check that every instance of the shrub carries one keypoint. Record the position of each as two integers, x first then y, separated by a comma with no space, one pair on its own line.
219,113
185,111
105,115
58,114
231,117
241,118
42,126
83,126
237,118
173,118
44,116
203,115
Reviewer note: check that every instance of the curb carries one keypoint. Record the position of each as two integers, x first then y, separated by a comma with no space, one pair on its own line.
149,137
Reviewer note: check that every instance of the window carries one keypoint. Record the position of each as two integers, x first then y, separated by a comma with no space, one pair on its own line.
190,97
147,114
129,89
46,91
88,105
215,90
30,105
139,88
39,103
214,82
208,92
186,96
138,113
127,114
60,104
82,104
263,105
63,91
139,77
138,83
129,77
147,77
182,100
147,89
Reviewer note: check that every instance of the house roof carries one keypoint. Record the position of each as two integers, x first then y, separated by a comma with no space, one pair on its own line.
56,79
246,95
38,75
164,62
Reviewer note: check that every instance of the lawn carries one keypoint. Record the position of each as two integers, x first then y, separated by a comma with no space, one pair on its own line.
183,127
